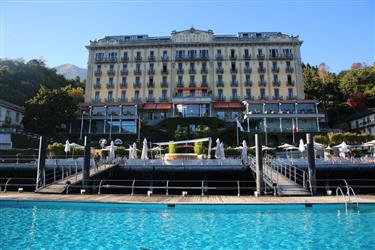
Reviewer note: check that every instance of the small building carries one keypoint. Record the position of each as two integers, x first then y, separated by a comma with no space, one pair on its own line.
363,122
10,118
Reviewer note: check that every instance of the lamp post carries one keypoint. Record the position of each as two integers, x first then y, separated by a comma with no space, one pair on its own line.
246,116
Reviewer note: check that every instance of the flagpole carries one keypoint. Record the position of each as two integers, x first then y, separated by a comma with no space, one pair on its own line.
293,128
238,142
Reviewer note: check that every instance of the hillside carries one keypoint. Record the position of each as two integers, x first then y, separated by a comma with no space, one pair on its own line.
71,71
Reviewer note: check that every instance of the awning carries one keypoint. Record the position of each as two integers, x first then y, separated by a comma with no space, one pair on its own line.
157,106
225,105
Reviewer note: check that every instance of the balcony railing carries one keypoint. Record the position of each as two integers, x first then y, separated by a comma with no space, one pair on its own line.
204,85
204,70
111,72
124,59
220,70
246,57
164,84
180,71
124,85
151,58
232,56
220,99
233,70
234,83
192,71
220,84
248,97
137,85
290,83
94,100
164,58
275,69
151,71
261,56
138,58
150,85
234,98
289,69
110,86
136,99
261,70
262,83
219,57
98,72
262,97
179,57
97,86
122,99
276,82
100,59
277,98
124,72
163,99
112,59
164,71
247,70
109,99
192,85
180,85
150,99
292,97
137,71
281,56
248,83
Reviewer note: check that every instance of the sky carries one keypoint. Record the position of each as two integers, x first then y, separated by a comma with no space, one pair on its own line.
337,33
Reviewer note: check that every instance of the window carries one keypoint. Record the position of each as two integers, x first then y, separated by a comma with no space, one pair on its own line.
97,96
192,79
137,67
290,93
204,79
220,79
165,53
151,80
248,93
97,81
165,67
274,65
110,97
289,78
234,93
111,67
192,93
192,66
151,53
179,66
262,93
276,93
137,80
219,64
261,77
204,92
234,78
138,54
164,94
164,81
247,78
124,80
180,81
233,66
220,93
124,67
151,94
274,52
98,67
218,52
136,94
232,52
123,95
246,52
288,64
204,65
179,93
112,56
111,80
125,54
261,65
275,78
247,64
260,51
151,66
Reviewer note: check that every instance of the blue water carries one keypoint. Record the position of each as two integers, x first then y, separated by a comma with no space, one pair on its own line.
49,225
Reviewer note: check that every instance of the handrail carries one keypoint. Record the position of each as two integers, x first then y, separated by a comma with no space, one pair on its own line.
348,189
6,184
100,185
355,197
343,196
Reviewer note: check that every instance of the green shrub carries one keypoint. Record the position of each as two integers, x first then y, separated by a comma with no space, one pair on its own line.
78,151
356,152
121,151
349,138
199,148
323,139
56,149
171,148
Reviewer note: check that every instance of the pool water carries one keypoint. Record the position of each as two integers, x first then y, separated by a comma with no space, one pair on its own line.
51,225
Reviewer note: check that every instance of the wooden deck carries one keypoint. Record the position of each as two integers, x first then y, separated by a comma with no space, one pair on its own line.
223,200
58,187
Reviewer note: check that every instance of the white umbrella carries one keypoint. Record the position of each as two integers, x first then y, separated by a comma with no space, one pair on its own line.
301,147
291,148
135,151
344,149
144,150
244,151
112,150
264,148
67,146
73,144
285,145
341,145
102,142
222,153
131,154
328,148
217,149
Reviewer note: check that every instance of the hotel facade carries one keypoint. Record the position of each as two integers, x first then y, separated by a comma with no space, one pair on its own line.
194,73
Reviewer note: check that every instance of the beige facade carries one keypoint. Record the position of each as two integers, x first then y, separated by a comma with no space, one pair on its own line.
194,67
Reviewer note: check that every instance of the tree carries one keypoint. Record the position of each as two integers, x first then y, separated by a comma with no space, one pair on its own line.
49,109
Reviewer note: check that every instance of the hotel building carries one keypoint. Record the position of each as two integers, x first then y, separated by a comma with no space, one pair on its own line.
194,73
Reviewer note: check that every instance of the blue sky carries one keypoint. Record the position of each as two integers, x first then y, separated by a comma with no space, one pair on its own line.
335,32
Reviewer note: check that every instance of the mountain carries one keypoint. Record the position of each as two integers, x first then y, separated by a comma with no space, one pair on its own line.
71,71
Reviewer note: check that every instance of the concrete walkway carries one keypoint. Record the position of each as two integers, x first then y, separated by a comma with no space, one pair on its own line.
219,200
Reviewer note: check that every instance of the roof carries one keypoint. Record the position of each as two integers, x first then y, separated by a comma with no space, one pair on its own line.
359,115
12,106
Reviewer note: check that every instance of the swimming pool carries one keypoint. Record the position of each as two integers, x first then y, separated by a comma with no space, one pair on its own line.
63,225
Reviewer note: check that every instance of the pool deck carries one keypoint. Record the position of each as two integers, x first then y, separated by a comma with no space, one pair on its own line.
214,199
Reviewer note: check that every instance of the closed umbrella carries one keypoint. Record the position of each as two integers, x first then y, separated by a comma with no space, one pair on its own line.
144,150
67,148
131,154
217,149
222,153
244,151
301,147
135,151
112,150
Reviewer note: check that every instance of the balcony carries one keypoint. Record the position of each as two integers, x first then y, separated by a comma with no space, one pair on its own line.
234,99
179,57
180,85
192,85
264,97
136,99
275,69
262,83
96,100
246,56
289,69
247,70
164,85
248,83
164,71
98,72
100,59
204,70
151,71
290,83
122,99
180,71
137,71
124,72
97,86
232,56
192,71
109,99
220,99
219,57
204,85
292,97
276,83
261,56
277,98
262,70
111,72
151,58
248,97
233,70
137,85
150,85
125,59
150,99
163,99
281,56
234,83
110,86
124,85
111,59
138,58
220,84
164,58
220,70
